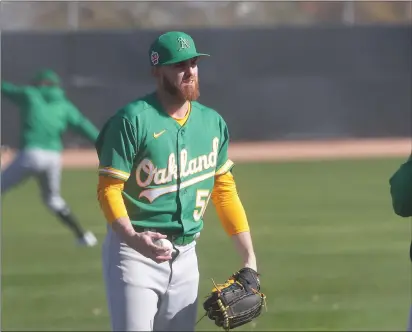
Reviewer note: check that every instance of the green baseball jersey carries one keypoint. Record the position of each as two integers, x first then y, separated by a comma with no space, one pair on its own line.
45,114
401,189
168,169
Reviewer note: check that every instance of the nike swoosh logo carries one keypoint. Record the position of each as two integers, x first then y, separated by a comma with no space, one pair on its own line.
159,134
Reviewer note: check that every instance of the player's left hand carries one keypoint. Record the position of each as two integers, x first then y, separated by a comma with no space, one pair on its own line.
236,302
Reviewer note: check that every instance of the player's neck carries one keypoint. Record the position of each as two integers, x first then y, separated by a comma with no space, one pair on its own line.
175,108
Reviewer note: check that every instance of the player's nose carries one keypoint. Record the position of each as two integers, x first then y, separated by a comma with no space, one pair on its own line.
190,71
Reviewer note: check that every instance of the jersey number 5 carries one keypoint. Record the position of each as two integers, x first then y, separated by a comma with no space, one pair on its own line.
202,199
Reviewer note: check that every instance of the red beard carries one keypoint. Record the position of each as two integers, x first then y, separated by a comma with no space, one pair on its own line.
187,92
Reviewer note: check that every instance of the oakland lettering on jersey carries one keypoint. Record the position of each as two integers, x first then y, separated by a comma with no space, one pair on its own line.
147,173
152,174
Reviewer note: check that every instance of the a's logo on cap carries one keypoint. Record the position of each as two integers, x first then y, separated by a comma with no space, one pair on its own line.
183,43
154,57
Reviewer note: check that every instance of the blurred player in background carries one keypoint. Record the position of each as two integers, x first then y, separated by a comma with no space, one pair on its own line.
401,193
46,114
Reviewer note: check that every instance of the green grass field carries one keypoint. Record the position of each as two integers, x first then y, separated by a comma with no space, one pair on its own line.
332,254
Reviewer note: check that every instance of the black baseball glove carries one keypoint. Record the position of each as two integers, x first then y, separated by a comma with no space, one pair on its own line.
236,302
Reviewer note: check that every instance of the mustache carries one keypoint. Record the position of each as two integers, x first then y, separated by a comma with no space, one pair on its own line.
188,79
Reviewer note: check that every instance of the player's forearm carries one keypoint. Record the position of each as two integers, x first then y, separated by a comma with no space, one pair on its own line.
109,194
7,88
11,91
232,215
244,247
229,208
123,227
87,129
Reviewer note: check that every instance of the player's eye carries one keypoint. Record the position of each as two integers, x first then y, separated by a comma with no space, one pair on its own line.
180,65
189,63
193,62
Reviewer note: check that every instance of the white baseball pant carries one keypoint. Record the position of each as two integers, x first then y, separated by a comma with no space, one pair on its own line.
145,296
45,166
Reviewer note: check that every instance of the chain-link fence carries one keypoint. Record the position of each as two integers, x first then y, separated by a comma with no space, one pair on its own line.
22,15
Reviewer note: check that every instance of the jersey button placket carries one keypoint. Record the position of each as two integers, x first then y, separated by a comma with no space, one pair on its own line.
182,134
181,145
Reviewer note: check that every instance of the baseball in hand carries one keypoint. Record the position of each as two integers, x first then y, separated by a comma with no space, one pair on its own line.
164,243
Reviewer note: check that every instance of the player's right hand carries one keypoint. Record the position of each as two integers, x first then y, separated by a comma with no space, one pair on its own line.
144,244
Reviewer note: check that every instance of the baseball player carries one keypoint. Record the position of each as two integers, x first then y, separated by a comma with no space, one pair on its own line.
45,114
161,158
401,193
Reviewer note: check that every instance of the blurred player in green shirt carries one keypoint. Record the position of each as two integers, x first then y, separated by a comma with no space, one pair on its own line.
45,114
401,193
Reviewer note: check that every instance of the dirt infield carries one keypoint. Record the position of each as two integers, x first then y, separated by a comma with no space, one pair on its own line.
271,151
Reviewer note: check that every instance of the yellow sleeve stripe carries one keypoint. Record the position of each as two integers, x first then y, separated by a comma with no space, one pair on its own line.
114,173
226,167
